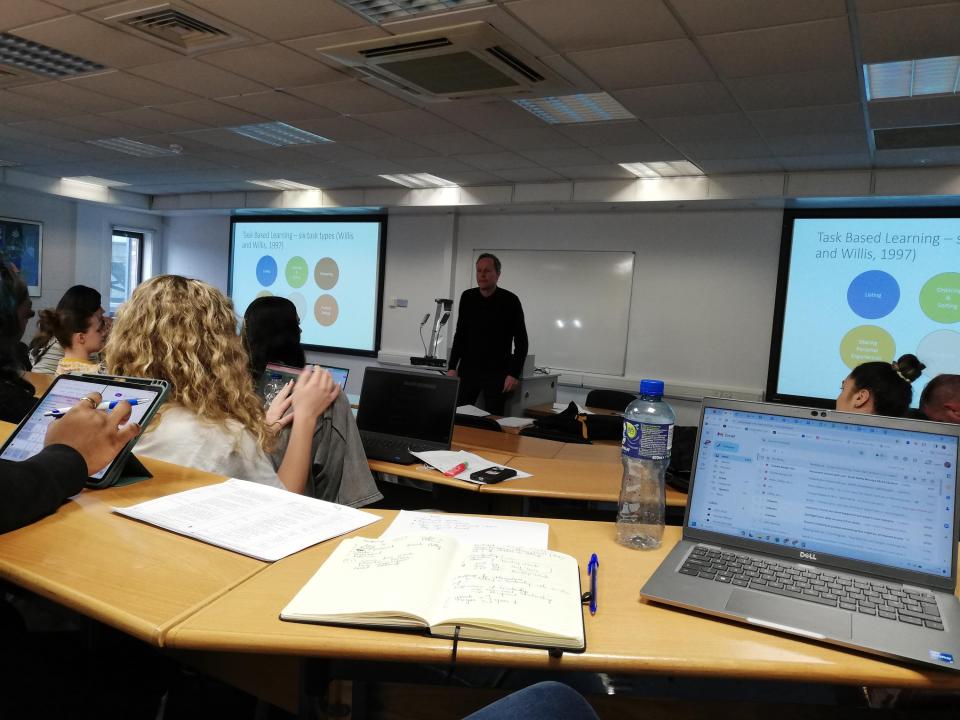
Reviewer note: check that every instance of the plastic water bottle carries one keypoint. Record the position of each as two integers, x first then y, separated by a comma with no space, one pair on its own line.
645,453
272,388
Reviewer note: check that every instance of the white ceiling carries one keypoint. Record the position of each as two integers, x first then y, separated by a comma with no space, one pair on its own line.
731,85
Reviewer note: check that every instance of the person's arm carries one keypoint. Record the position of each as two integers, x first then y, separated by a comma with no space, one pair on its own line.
37,486
520,342
314,392
456,352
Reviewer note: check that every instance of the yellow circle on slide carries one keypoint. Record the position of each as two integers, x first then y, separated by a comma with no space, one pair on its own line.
326,310
867,343
264,293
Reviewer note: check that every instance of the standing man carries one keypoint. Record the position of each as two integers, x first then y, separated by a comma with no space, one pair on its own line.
490,343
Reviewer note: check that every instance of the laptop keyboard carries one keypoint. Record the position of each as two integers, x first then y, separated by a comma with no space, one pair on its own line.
380,446
891,602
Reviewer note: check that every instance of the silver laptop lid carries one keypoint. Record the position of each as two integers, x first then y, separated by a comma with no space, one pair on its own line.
865,493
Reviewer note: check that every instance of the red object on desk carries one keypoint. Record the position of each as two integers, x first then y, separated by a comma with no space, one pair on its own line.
454,471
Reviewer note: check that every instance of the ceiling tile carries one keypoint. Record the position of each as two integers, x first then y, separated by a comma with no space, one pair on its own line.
806,121
349,97
20,107
26,12
609,171
826,162
151,119
785,49
403,122
529,175
474,177
391,147
78,5
277,105
698,150
496,161
342,129
632,66
198,78
76,98
54,129
577,25
499,114
282,19
224,139
865,6
915,112
132,89
705,98
372,166
455,143
918,32
627,132
542,138
93,41
213,113
639,153
740,165
720,16
729,126
815,87
310,44
563,156
102,127
439,166
321,152
819,144
273,65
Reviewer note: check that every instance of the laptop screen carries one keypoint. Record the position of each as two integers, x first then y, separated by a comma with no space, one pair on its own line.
407,404
866,492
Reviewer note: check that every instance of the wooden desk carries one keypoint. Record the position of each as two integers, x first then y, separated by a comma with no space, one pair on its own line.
40,381
625,636
422,472
547,409
477,440
126,574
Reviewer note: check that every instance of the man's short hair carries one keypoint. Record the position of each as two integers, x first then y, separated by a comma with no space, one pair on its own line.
942,389
496,261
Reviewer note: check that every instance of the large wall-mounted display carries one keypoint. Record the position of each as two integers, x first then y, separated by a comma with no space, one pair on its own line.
857,286
330,268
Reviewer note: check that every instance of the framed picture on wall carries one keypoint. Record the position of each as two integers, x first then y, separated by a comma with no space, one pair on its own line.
21,243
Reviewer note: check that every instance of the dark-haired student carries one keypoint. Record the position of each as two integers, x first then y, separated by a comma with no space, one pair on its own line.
940,399
339,471
880,388
46,351
16,394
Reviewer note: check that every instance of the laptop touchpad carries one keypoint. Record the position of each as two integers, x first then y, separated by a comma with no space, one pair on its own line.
789,615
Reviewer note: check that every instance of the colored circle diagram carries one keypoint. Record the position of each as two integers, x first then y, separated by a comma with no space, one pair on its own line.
326,273
866,343
326,310
266,271
296,272
940,298
873,294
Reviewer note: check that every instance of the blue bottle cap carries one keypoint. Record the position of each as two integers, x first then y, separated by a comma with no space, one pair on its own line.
651,387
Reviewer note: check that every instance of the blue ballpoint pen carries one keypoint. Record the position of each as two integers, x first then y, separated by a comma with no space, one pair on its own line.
109,405
593,570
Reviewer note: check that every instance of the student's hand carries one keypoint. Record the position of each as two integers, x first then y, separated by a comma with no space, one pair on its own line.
314,392
93,433
276,415
451,373
510,384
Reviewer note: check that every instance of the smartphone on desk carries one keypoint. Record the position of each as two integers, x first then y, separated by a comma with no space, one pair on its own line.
492,475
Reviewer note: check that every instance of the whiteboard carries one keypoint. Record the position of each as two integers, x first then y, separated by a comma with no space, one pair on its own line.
576,305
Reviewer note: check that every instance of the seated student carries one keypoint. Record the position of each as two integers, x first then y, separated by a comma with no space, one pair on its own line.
880,388
271,333
80,336
16,394
184,331
940,399
45,350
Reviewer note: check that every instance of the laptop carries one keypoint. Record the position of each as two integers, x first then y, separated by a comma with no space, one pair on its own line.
288,372
403,411
833,526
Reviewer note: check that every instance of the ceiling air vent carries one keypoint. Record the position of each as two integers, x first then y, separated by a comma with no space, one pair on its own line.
461,61
917,137
178,26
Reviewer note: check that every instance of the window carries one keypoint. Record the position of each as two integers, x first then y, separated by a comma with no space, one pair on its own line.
126,266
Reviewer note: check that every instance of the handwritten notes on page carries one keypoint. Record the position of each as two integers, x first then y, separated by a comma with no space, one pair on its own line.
263,522
470,528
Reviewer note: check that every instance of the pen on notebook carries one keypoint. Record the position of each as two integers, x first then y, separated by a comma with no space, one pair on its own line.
110,405
593,570
456,470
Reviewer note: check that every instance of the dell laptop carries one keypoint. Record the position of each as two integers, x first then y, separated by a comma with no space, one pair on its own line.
403,411
833,526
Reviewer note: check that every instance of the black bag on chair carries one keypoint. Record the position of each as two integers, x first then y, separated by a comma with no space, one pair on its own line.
564,426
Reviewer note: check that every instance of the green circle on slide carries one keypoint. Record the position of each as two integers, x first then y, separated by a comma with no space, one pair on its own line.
940,298
296,272
866,343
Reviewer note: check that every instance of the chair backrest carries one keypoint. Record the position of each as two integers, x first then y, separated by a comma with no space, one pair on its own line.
610,399
484,423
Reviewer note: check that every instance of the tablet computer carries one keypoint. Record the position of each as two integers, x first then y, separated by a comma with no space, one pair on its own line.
288,372
65,392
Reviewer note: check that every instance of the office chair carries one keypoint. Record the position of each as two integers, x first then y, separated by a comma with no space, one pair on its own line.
484,423
610,399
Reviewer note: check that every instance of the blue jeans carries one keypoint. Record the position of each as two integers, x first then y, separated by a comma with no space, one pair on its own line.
543,701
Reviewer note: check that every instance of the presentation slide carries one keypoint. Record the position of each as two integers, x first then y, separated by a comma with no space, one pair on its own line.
866,289
330,270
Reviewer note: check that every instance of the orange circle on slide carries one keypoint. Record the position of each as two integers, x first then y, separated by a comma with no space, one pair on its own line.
326,310
326,273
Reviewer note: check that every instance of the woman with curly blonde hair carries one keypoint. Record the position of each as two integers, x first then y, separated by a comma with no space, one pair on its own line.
184,331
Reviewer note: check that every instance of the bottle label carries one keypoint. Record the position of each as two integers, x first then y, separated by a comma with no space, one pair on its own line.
646,441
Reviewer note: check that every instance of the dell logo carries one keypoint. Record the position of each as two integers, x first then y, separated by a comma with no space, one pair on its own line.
808,556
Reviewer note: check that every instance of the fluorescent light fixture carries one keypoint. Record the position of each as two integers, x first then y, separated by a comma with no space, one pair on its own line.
281,184
912,78
42,59
134,147
670,168
94,181
8,163
419,180
278,134
381,11
580,108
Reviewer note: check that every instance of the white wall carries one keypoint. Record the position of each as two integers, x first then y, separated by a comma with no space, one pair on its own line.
197,246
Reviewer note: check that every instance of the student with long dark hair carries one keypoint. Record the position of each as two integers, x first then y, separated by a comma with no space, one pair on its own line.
16,394
79,301
880,388
271,334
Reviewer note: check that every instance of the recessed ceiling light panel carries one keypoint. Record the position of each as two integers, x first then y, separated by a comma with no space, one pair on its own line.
381,11
42,59
419,180
912,78
96,181
670,168
281,184
135,147
580,108
278,134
